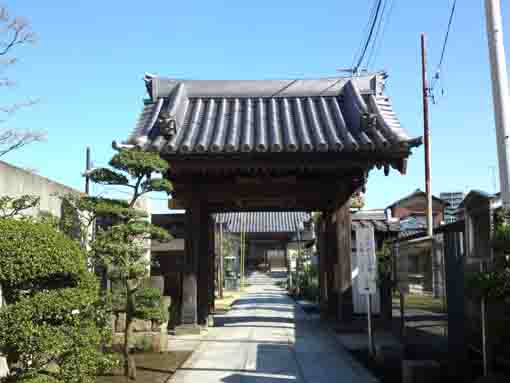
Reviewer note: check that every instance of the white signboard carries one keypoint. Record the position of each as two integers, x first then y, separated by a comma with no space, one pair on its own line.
367,262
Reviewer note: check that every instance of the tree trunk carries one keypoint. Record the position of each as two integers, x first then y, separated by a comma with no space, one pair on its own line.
129,361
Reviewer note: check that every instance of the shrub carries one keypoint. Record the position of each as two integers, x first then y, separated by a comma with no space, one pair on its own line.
54,323
148,303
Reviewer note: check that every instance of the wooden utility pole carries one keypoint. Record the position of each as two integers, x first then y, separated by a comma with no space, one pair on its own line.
426,133
87,169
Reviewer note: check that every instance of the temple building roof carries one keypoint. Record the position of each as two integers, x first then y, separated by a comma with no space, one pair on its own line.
264,222
334,115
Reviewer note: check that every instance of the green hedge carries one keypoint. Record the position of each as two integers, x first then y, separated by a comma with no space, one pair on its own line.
55,323
32,252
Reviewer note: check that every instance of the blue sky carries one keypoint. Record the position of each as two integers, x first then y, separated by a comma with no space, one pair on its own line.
88,64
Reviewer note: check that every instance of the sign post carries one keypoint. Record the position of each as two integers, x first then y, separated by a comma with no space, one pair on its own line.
367,274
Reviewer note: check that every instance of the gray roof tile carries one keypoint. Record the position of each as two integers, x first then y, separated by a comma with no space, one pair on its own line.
268,116
263,222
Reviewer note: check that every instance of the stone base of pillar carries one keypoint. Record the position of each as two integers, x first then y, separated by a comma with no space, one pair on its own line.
188,329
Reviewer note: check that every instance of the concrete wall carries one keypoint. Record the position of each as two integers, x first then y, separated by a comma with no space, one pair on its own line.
15,182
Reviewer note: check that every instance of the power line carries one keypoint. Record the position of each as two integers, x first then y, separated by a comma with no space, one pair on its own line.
369,38
443,49
376,32
365,33
373,56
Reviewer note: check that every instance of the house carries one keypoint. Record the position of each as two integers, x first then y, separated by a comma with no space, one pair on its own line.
411,211
424,263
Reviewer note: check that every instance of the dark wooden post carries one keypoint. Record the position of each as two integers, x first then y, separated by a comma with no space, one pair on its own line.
331,247
212,262
200,246
189,283
454,262
322,251
344,249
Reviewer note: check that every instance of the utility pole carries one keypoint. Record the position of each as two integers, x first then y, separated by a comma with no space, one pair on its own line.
500,94
426,133
88,165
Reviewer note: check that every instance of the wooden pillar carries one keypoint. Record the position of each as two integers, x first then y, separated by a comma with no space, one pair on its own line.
189,282
331,267
212,259
201,255
454,262
323,257
344,249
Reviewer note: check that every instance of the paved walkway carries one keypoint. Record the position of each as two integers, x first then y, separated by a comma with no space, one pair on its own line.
266,338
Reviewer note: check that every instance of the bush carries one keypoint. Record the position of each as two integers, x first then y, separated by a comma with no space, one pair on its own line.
148,303
54,323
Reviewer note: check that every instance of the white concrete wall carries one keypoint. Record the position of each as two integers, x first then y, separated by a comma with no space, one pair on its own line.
15,182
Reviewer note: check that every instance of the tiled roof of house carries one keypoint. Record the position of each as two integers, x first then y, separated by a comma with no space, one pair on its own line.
375,218
322,115
263,222
417,193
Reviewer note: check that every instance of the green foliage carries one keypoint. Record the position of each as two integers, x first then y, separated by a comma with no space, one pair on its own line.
148,304
501,237
104,176
308,282
32,254
120,249
11,207
492,285
384,262
138,163
316,216
157,185
54,323
357,201
144,343
495,284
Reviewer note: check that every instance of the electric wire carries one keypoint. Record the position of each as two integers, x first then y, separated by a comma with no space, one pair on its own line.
370,51
365,33
369,38
443,49
373,58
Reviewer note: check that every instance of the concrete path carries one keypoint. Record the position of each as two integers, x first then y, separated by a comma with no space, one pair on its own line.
266,338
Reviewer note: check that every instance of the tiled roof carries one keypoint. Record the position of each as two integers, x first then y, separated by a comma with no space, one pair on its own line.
324,115
263,222
415,194
375,218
